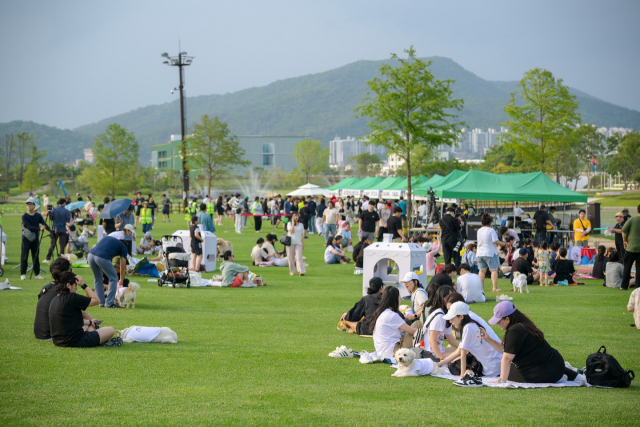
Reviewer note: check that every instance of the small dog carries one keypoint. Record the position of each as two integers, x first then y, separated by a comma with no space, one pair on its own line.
409,366
520,282
142,333
129,294
223,246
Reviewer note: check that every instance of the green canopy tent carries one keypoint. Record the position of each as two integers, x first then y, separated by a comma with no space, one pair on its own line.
374,190
340,185
357,188
421,190
399,188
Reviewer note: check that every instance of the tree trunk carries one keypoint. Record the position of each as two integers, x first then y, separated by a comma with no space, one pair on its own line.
209,183
408,160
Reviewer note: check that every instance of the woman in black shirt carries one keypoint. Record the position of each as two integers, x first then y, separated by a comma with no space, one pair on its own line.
600,263
352,321
563,267
526,356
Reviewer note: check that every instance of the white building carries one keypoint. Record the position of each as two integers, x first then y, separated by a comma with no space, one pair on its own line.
341,149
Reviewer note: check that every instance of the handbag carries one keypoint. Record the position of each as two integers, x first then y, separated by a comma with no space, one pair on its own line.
29,235
285,239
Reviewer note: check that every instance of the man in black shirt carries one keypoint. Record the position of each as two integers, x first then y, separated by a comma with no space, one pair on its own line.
68,326
368,223
521,265
617,230
394,225
540,221
444,278
450,227
311,206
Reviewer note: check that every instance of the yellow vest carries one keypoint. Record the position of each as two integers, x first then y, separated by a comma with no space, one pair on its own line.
210,208
145,216
189,211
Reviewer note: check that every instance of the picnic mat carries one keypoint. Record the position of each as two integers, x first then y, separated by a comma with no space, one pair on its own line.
486,381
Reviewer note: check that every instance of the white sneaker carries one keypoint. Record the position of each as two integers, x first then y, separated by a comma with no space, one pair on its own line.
23,277
46,261
39,277
341,352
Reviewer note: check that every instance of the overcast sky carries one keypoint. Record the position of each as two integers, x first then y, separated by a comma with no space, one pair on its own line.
70,63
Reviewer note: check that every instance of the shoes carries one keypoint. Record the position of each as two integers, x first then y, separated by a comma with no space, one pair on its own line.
341,352
113,342
23,277
503,297
367,358
39,277
113,306
469,380
46,261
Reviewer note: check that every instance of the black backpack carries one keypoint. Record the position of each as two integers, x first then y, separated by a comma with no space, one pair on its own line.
604,370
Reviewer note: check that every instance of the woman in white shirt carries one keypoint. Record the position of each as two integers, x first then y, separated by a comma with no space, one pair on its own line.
471,342
294,251
333,254
418,296
390,331
487,251
435,329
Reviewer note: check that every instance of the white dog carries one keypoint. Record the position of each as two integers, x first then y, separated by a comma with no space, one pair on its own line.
409,366
520,282
146,334
129,294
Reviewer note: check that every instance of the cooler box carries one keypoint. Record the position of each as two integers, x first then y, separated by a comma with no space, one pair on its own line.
209,247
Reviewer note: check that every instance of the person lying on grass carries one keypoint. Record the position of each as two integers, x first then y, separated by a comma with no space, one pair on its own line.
526,356
359,318
68,326
390,331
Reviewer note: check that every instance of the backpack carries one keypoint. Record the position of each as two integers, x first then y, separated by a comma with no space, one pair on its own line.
604,370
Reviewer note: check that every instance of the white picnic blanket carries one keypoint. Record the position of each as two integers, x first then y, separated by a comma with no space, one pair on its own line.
487,381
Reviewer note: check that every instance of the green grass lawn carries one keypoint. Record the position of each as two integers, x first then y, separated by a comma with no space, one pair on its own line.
259,356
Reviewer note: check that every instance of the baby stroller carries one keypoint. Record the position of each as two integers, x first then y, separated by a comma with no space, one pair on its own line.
176,261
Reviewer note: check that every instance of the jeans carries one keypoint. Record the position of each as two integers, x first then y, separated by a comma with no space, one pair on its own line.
146,227
32,247
312,224
541,235
64,238
329,229
629,259
98,266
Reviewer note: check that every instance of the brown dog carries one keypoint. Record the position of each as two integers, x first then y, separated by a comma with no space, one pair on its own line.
223,246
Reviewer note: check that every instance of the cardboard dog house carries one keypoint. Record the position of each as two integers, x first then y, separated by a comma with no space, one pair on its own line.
407,256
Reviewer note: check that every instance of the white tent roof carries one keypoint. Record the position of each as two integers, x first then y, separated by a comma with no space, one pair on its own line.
310,190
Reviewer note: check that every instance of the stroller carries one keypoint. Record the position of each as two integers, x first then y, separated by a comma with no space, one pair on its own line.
176,261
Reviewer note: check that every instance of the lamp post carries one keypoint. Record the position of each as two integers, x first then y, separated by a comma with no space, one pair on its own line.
182,60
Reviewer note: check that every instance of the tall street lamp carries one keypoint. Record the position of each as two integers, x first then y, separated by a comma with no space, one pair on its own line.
182,60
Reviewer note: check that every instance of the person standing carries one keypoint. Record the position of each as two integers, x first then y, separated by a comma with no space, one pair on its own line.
211,207
32,224
450,227
394,226
238,217
403,205
294,251
61,219
517,211
166,208
245,211
540,221
256,210
145,217
304,216
153,206
122,220
488,258
384,212
369,221
196,240
582,229
311,206
189,212
99,260
220,209
617,230
329,221
138,205
205,220
631,242
319,213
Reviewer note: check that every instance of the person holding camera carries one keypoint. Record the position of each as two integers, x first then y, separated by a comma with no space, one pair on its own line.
294,251
450,238
61,220
582,229
69,327
32,224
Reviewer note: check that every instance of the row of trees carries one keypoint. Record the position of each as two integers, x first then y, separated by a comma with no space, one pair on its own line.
21,159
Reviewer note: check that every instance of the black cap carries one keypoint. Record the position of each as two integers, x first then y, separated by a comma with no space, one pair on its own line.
260,240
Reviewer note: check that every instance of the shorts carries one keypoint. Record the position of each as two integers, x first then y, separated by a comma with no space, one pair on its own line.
165,209
582,243
89,339
492,263
369,235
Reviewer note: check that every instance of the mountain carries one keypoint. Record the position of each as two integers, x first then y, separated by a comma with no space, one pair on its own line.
321,106
61,145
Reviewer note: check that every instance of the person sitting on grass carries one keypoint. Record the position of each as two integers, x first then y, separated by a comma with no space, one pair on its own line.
359,318
470,258
526,356
345,232
444,278
419,298
68,326
522,265
390,331
233,274
456,297
563,267
146,244
615,271
358,251
333,253
469,285
435,329
600,264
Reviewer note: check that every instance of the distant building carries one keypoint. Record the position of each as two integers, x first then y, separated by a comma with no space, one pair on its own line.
267,152
607,132
88,155
341,149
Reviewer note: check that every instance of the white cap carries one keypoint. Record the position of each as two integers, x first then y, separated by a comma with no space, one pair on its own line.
130,228
409,277
457,309
427,246
147,234
31,200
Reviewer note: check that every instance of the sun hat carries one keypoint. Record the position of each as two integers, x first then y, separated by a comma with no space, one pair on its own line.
130,228
458,308
30,200
409,277
502,309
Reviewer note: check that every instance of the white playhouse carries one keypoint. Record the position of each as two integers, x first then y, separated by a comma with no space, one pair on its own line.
407,256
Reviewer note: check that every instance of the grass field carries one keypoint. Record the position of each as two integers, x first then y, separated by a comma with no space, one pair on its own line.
259,357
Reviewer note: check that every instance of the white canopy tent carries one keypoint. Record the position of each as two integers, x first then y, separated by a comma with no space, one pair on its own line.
310,190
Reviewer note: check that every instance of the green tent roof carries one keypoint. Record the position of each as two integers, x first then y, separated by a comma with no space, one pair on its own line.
343,183
436,180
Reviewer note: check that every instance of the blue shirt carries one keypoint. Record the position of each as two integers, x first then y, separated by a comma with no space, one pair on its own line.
204,219
108,248
130,219
61,217
287,207
403,206
320,210
312,208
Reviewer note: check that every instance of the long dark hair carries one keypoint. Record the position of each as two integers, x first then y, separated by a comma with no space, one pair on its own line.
601,251
466,319
432,288
439,298
390,299
374,285
519,317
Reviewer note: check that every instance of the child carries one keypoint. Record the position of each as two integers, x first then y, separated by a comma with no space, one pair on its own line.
470,257
543,263
613,271
555,247
563,267
432,252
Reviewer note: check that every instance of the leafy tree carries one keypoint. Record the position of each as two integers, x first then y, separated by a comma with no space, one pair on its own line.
542,113
8,150
35,155
23,147
275,178
589,143
626,161
116,154
214,150
31,179
501,158
445,167
421,159
311,158
409,108
366,164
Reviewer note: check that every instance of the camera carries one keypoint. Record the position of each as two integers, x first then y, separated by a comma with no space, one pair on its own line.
458,246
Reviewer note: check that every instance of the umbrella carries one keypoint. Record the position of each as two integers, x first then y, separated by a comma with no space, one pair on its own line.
75,205
115,208
310,190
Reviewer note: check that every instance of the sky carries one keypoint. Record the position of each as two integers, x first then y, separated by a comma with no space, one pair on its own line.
71,63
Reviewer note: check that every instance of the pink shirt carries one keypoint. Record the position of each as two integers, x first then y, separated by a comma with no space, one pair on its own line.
431,256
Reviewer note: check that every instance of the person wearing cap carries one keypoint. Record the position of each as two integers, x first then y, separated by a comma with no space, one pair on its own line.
526,356
522,265
471,342
540,221
469,285
359,318
100,260
625,214
582,229
631,242
146,245
617,231
126,236
32,224
418,297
